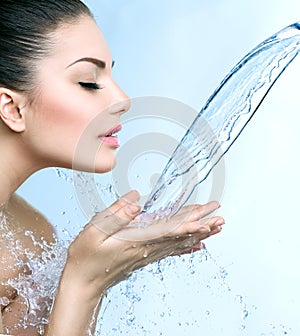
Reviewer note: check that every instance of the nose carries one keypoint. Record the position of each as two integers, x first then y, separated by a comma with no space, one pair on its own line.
120,102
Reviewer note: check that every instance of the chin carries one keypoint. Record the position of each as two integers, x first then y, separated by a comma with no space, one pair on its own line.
98,168
104,167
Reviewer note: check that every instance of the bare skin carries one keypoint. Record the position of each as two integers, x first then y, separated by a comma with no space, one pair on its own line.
21,217
108,249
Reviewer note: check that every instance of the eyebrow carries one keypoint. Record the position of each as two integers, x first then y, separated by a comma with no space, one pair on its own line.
98,62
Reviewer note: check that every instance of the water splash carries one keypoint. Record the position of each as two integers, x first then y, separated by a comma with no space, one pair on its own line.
221,121
36,286
134,299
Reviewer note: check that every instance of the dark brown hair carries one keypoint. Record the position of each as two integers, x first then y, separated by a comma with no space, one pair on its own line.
25,36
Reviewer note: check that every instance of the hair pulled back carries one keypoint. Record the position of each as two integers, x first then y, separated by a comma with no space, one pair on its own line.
25,36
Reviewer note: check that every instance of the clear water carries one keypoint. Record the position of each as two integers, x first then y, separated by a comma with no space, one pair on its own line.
217,126
221,121
38,285
156,284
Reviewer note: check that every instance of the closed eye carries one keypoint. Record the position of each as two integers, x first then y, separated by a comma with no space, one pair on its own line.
90,85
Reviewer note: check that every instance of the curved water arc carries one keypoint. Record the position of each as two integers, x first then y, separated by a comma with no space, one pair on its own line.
224,116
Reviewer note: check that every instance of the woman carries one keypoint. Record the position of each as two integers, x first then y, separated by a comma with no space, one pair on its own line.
55,79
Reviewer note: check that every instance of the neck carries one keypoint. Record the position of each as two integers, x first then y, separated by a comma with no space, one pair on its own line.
16,164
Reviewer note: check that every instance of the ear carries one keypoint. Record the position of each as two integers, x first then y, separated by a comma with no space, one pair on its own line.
10,110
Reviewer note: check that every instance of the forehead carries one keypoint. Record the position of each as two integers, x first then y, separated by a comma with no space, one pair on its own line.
78,40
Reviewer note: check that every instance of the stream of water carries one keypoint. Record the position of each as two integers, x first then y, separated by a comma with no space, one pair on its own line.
221,121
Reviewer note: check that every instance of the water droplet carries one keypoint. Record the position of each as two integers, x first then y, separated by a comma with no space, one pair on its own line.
4,301
245,314
8,309
107,270
145,254
243,327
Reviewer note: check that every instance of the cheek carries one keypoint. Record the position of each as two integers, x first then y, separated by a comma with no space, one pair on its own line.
71,113
56,127
61,115
65,133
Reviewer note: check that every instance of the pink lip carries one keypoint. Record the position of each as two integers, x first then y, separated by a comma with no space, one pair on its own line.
114,130
111,140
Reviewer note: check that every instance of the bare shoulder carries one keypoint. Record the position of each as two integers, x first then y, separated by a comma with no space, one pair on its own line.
20,217
27,218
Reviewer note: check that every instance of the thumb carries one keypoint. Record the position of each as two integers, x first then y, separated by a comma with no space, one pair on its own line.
118,215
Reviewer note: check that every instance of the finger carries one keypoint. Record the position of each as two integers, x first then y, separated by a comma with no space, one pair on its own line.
176,246
181,224
187,227
163,248
216,230
162,231
187,209
158,251
132,197
118,215
197,212
186,222
182,247
199,246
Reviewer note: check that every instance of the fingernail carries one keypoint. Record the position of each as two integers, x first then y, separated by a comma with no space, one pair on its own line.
216,203
132,209
219,222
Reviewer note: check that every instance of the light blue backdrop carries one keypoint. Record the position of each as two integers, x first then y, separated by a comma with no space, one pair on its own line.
182,50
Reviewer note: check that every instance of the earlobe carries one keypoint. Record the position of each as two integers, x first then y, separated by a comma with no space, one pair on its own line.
10,110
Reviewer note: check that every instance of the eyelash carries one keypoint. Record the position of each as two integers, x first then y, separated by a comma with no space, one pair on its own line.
90,86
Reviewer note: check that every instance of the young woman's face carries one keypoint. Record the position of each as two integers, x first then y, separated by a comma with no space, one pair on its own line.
78,105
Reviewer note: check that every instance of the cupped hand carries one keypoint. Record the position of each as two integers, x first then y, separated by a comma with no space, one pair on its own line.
108,250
